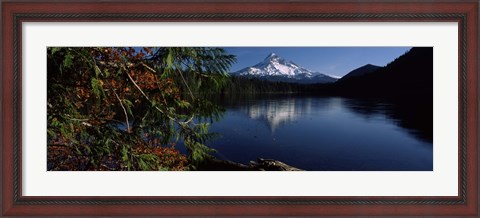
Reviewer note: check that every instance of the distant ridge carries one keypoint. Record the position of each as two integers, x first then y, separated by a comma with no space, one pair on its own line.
409,74
361,71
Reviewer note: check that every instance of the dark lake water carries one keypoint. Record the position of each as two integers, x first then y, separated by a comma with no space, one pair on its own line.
327,133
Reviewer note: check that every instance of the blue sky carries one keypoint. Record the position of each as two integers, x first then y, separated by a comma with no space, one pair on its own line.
336,61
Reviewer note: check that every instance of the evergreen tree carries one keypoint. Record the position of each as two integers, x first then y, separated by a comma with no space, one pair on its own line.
120,108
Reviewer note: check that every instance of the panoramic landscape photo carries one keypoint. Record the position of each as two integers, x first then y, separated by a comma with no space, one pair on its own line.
240,108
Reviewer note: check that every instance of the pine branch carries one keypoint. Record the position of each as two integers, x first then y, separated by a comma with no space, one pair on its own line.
146,97
124,111
186,84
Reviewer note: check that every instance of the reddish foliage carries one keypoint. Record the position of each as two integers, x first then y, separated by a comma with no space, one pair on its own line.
170,157
66,158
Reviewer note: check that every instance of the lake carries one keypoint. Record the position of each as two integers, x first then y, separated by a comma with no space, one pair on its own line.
327,133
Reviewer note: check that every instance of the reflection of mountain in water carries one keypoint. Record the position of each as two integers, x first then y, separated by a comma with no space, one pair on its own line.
278,112
274,113
414,116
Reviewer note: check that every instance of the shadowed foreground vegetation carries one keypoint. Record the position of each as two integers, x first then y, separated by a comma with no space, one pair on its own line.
120,108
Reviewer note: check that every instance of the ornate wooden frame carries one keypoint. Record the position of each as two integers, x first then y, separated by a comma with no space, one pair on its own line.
16,12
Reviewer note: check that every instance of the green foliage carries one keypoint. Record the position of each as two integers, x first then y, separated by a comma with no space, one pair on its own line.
120,108
68,61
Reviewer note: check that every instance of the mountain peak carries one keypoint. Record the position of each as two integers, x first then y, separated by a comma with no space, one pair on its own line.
276,68
272,56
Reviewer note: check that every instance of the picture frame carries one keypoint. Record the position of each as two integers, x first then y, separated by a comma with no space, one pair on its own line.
14,13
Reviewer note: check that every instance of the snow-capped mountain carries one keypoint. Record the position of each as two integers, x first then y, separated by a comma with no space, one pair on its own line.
275,68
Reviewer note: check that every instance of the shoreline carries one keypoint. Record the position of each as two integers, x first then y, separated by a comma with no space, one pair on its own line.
259,165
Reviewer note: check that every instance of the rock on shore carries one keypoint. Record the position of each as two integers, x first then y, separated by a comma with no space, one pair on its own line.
259,165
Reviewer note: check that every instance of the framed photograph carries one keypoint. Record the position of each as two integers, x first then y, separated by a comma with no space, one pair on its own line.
223,108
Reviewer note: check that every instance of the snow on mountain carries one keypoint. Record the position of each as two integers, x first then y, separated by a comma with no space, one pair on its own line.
275,68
